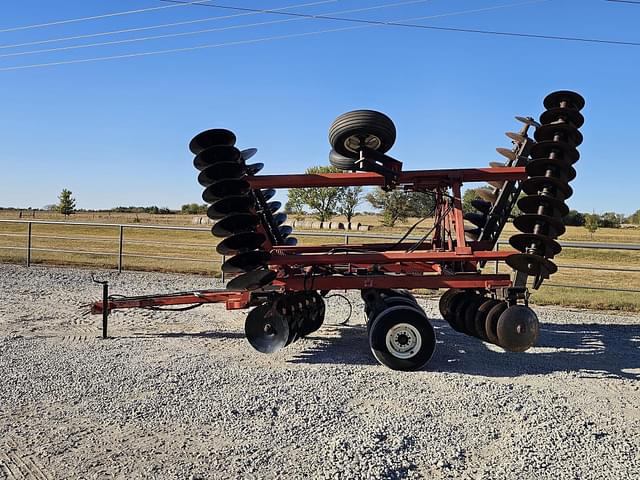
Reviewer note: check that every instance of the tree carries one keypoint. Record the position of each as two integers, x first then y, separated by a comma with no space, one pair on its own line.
350,198
574,218
591,221
610,220
66,204
470,195
421,204
634,217
323,202
394,205
192,208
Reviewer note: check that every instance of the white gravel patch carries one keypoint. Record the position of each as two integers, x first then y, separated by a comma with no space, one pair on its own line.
183,395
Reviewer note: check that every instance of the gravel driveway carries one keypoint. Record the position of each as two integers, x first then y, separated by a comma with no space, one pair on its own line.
182,395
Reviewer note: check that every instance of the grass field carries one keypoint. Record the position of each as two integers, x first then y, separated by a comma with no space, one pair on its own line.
194,252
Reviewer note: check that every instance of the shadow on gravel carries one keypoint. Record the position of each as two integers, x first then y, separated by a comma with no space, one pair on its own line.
207,334
592,350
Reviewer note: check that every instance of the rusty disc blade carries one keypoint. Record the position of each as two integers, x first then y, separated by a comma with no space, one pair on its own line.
216,154
209,138
518,328
547,247
497,164
572,99
488,195
558,150
548,186
552,206
266,330
561,132
481,206
550,226
528,121
506,152
533,265
516,137
252,280
568,115
544,167
240,242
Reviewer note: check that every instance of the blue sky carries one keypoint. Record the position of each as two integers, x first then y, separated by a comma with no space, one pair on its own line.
116,132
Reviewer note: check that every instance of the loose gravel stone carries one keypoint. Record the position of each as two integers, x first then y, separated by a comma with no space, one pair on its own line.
183,395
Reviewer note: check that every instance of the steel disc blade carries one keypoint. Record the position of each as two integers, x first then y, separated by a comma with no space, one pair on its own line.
225,188
533,265
240,242
470,237
553,207
497,164
487,195
232,204
209,138
274,206
550,226
560,150
268,194
247,153
562,114
266,330
553,186
235,223
565,132
478,219
528,121
545,246
252,280
216,154
481,206
491,322
506,152
481,318
220,171
469,315
544,167
516,137
518,328
291,241
285,231
254,168
279,219
246,262
495,183
555,99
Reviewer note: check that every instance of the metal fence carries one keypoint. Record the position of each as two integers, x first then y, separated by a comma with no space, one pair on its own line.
120,254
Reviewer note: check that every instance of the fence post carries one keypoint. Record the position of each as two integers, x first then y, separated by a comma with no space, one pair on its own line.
29,244
221,270
120,248
497,249
346,239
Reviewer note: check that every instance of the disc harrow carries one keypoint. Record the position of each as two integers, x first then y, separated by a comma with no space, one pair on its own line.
285,284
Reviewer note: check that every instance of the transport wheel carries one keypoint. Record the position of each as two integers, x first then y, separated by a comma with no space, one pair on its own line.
402,338
391,301
353,130
518,328
341,162
491,323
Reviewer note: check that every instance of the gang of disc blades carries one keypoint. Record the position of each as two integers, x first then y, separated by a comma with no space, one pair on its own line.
247,153
548,247
506,152
208,138
518,328
225,188
220,171
254,168
546,148
532,203
538,167
235,223
246,262
567,114
232,204
516,137
536,186
555,99
252,280
550,226
567,132
240,242
265,329
533,265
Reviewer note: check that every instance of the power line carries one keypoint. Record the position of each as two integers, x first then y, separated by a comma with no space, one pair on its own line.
162,25
624,1
96,17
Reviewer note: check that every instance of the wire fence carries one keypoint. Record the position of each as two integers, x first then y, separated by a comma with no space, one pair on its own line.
128,247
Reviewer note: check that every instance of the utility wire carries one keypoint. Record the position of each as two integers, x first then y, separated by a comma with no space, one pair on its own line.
363,24
163,25
96,17
624,1
209,30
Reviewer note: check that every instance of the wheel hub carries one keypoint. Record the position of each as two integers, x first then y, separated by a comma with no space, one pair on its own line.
355,142
403,340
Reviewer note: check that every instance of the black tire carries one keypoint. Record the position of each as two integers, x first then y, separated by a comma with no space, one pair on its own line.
374,128
343,163
402,338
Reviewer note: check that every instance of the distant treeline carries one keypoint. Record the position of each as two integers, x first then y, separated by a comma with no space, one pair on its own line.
604,220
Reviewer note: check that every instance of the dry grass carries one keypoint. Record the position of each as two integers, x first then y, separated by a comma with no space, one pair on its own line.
194,252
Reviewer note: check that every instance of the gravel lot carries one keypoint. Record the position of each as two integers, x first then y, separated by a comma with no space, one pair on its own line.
182,395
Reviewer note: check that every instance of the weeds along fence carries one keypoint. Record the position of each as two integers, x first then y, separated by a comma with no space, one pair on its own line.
192,250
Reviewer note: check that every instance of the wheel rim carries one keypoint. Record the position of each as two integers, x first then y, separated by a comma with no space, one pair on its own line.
355,142
403,340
